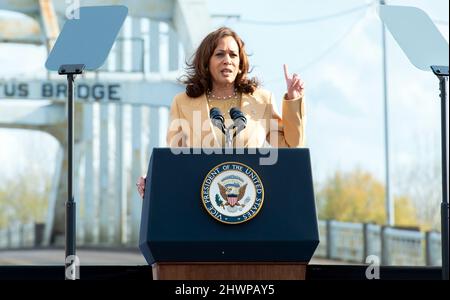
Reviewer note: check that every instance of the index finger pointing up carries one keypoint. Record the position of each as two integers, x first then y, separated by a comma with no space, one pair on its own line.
285,71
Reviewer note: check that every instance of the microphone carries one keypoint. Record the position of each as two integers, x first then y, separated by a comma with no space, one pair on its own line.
217,119
240,121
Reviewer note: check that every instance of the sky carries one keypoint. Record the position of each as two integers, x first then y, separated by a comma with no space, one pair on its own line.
340,61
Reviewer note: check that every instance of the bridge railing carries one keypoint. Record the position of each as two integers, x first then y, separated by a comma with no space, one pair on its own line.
354,242
343,241
18,235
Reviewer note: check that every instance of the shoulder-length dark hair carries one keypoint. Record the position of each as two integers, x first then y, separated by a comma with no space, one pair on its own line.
198,79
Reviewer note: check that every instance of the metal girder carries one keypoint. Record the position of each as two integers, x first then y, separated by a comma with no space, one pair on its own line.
49,21
190,18
192,22
160,10
157,92
14,115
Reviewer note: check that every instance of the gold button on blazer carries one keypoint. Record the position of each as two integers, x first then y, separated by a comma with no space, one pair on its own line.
190,125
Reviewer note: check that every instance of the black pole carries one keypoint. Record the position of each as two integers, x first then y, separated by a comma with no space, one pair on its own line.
444,203
442,73
71,260
70,204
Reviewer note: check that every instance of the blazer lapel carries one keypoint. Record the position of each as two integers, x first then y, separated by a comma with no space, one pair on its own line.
254,112
197,115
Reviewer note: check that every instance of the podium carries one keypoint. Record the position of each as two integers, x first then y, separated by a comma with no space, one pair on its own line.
227,216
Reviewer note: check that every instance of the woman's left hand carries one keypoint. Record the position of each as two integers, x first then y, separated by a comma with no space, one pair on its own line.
295,85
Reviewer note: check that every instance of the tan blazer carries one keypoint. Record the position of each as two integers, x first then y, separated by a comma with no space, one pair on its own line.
190,125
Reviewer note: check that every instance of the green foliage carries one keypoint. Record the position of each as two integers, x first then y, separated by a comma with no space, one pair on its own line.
24,198
218,200
405,213
421,182
357,196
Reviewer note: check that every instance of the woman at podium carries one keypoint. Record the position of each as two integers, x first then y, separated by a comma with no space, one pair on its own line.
218,79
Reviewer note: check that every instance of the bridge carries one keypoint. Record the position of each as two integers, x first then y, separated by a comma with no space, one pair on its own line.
120,115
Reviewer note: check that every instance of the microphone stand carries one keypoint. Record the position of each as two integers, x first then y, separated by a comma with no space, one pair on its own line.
239,122
229,137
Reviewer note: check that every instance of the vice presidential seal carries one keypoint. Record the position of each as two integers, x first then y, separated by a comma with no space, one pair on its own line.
232,193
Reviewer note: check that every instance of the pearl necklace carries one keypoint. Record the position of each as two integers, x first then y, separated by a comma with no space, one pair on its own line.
229,101
211,96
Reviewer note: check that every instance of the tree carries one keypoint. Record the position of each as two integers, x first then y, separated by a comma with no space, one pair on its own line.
24,198
420,181
357,196
406,213
24,195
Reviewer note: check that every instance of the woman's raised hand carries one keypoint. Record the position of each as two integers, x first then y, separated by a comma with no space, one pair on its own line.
294,84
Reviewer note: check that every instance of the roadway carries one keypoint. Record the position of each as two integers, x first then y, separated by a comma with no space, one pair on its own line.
94,256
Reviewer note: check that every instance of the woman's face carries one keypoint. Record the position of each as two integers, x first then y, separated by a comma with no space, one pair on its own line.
224,63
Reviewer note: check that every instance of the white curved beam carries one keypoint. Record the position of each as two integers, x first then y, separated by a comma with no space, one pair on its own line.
190,18
192,22
17,115
155,9
19,28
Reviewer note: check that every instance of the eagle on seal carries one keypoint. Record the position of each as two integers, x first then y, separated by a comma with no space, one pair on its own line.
232,195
